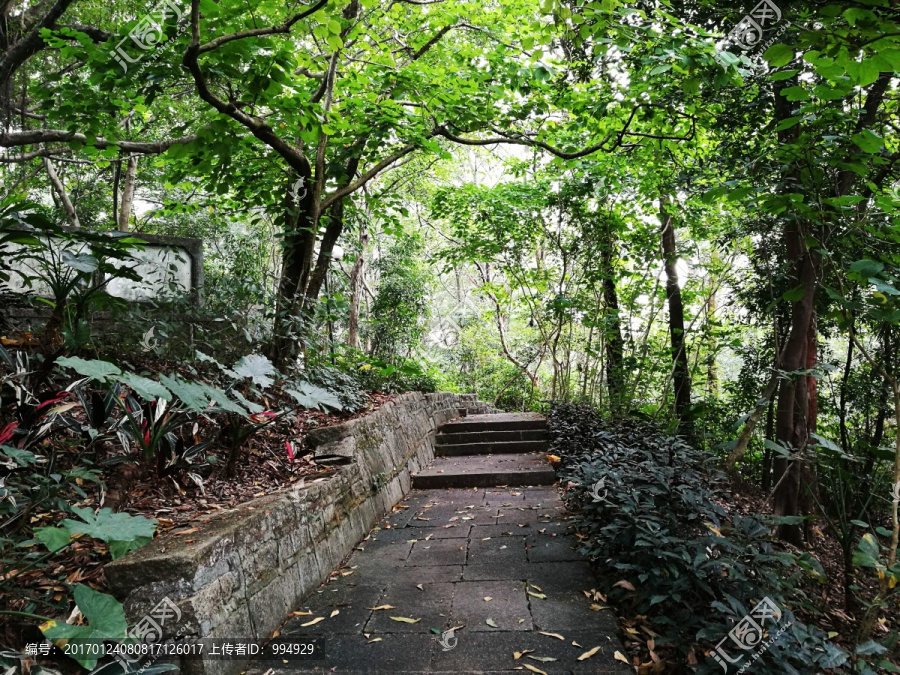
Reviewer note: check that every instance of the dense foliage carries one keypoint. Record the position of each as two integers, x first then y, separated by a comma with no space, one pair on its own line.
680,212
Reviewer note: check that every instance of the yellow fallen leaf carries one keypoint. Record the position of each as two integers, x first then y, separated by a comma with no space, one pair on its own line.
420,587
374,640
590,652
555,635
301,613
713,529
375,609
625,584
542,659
491,623
576,644
335,613
537,588
405,619
519,655
314,621
597,607
534,670
537,595
487,598
619,656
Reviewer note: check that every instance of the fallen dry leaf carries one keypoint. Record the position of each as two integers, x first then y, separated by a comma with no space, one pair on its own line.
491,623
375,609
189,531
420,587
405,619
542,659
537,595
313,622
625,584
619,656
553,635
533,669
487,598
519,655
589,653
301,613
374,640
537,588
335,613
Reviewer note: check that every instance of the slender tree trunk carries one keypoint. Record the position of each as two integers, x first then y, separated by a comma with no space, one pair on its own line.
124,222
681,377
332,233
791,425
60,190
767,452
842,409
300,223
117,174
712,374
615,344
356,286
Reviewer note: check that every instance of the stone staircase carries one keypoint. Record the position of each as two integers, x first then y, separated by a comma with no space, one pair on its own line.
489,450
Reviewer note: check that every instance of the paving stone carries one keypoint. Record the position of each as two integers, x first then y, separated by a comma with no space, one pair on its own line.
495,572
438,552
453,531
394,653
432,606
499,550
508,607
493,652
553,549
349,602
498,531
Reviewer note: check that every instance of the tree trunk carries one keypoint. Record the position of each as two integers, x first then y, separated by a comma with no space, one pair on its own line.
356,287
60,190
124,222
767,452
791,425
615,344
712,374
300,222
681,376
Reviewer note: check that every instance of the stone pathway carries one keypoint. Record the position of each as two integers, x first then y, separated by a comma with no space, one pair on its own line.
497,565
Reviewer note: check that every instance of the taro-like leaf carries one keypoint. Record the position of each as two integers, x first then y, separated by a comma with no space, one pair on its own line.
106,619
257,368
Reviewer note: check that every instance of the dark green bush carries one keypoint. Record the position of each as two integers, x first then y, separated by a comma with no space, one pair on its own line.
653,516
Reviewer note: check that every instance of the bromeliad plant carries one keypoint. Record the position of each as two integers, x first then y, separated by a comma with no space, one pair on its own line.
153,423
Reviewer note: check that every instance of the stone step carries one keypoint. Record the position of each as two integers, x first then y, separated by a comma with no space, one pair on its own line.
501,448
498,422
485,471
453,437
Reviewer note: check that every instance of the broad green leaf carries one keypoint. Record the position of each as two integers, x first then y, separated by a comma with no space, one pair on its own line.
54,538
94,368
147,389
779,55
258,368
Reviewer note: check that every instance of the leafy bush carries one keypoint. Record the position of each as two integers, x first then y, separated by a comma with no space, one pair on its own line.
652,515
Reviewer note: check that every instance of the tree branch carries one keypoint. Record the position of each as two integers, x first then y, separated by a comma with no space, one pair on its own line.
14,139
31,44
285,27
258,127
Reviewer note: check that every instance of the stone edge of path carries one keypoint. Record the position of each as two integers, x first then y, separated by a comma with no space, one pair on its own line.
243,570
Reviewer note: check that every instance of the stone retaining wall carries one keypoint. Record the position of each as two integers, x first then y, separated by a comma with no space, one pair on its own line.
246,569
